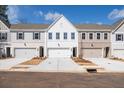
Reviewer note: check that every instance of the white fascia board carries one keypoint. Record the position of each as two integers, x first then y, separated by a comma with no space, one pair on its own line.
118,27
3,30
4,25
57,19
11,30
79,30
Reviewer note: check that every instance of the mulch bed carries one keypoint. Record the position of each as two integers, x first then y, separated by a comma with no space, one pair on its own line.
83,62
33,61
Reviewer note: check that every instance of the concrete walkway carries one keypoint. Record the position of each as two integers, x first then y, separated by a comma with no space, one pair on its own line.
58,65
108,64
8,63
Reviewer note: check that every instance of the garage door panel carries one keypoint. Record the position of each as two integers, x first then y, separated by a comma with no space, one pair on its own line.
118,52
25,52
92,53
59,53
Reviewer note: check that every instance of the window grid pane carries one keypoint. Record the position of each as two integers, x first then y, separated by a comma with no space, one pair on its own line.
57,35
72,35
83,35
65,35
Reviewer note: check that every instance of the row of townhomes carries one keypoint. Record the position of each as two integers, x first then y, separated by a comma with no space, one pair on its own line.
62,39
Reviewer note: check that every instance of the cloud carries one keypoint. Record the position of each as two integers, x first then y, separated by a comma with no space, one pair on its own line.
13,14
50,16
116,13
38,13
99,23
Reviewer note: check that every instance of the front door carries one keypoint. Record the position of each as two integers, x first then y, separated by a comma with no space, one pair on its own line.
41,51
74,51
8,52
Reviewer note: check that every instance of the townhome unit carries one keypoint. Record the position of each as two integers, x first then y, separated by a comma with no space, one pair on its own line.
62,39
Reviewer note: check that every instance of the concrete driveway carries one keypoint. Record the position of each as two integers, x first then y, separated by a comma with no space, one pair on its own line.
8,63
58,65
108,64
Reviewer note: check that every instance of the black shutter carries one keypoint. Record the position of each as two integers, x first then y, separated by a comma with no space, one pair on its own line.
23,35
33,35
39,35
0,36
5,36
17,37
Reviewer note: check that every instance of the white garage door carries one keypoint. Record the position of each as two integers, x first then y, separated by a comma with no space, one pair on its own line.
59,53
118,53
92,53
25,52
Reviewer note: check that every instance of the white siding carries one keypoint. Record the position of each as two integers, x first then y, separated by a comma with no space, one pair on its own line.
61,26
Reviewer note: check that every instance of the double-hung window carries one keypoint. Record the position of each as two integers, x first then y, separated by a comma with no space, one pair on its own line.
72,35
65,35
119,37
36,35
90,35
98,35
50,35
20,35
83,35
3,36
57,35
105,36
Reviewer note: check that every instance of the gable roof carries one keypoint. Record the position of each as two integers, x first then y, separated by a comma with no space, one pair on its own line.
79,27
92,26
29,26
117,24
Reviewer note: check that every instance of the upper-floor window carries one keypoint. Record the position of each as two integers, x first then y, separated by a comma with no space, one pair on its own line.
50,35
83,35
90,35
105,36
72,35
36,35
65,35
57,35
119,37
3,36
98,35
20,35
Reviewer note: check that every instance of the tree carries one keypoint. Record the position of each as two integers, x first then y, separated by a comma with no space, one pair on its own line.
3,14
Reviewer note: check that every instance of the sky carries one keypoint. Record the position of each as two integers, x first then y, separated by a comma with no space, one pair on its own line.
77,14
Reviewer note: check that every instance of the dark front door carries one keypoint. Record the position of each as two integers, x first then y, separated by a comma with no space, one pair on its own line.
8,52
74,51
41,52
106,51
